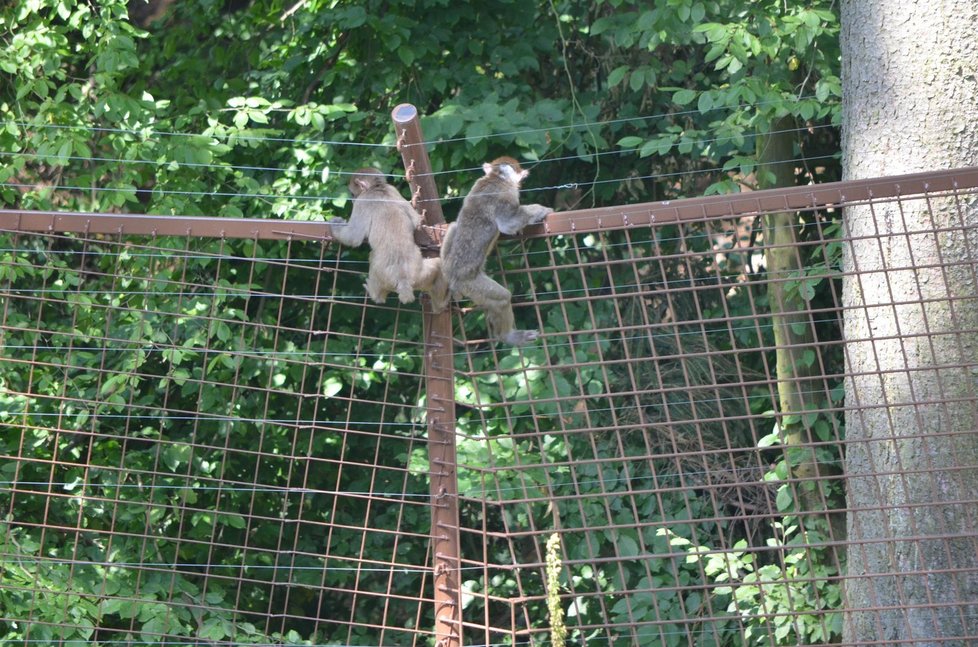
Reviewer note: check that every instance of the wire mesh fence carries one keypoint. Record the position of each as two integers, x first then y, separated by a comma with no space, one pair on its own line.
207,438
221,441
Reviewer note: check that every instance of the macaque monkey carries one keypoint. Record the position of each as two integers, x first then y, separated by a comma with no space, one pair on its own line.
491,207
387,221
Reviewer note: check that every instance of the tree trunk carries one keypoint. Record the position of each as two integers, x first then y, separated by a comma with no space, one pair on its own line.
910,82
800,387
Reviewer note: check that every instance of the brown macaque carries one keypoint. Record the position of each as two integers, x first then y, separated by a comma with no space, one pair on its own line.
387,221
492,207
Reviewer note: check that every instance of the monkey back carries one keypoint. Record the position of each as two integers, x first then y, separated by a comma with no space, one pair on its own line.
472,236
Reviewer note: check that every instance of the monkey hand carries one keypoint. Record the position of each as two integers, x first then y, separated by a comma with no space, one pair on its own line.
538,213
336,221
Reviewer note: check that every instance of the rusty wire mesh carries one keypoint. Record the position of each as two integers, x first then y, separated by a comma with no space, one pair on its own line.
204,419
690,456
637,435
645,429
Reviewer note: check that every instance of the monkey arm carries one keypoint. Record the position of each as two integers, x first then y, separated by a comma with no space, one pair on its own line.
351,233
413,216
513,223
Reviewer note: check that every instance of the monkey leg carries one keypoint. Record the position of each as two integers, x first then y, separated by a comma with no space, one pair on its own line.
379,286
500,320
391,274
377,290
400,267
520,337
497,302
432,280
405,290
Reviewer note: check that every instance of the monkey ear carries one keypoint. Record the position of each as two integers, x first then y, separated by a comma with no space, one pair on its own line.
363,183
487,168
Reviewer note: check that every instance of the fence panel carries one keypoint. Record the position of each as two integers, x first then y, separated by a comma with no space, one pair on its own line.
681,428
207,439
220,439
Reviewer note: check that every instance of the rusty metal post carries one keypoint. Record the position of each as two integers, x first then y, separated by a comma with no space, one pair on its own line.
417,167
440,385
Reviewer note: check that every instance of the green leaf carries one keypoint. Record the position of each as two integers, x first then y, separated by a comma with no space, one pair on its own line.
646,21
156,626
627,546
769,440
806,290
63,153
808,357
650,77
705,104
112,606
648,148
354,16
332,386
665,145
617,75
683,97
823,430
216,629
637,81
710,27
785,500
630,141
714,53
233,520
406,55
601,25
176,455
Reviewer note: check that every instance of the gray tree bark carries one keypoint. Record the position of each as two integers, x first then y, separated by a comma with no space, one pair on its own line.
910,87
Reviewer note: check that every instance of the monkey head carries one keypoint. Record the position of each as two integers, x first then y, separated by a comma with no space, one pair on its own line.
506,168
366,178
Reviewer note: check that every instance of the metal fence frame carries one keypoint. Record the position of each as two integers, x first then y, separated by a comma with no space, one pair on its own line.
448,561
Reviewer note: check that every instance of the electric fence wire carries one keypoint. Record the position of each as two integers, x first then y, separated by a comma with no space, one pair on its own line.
147,132
343,198
328,171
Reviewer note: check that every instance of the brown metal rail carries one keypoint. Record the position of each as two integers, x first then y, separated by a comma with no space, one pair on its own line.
147,225
755,202
565,222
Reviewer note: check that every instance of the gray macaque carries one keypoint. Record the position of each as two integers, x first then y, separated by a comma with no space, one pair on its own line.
492,207
387,221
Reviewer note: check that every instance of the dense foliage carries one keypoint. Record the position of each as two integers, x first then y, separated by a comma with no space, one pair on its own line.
256,110
223,109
